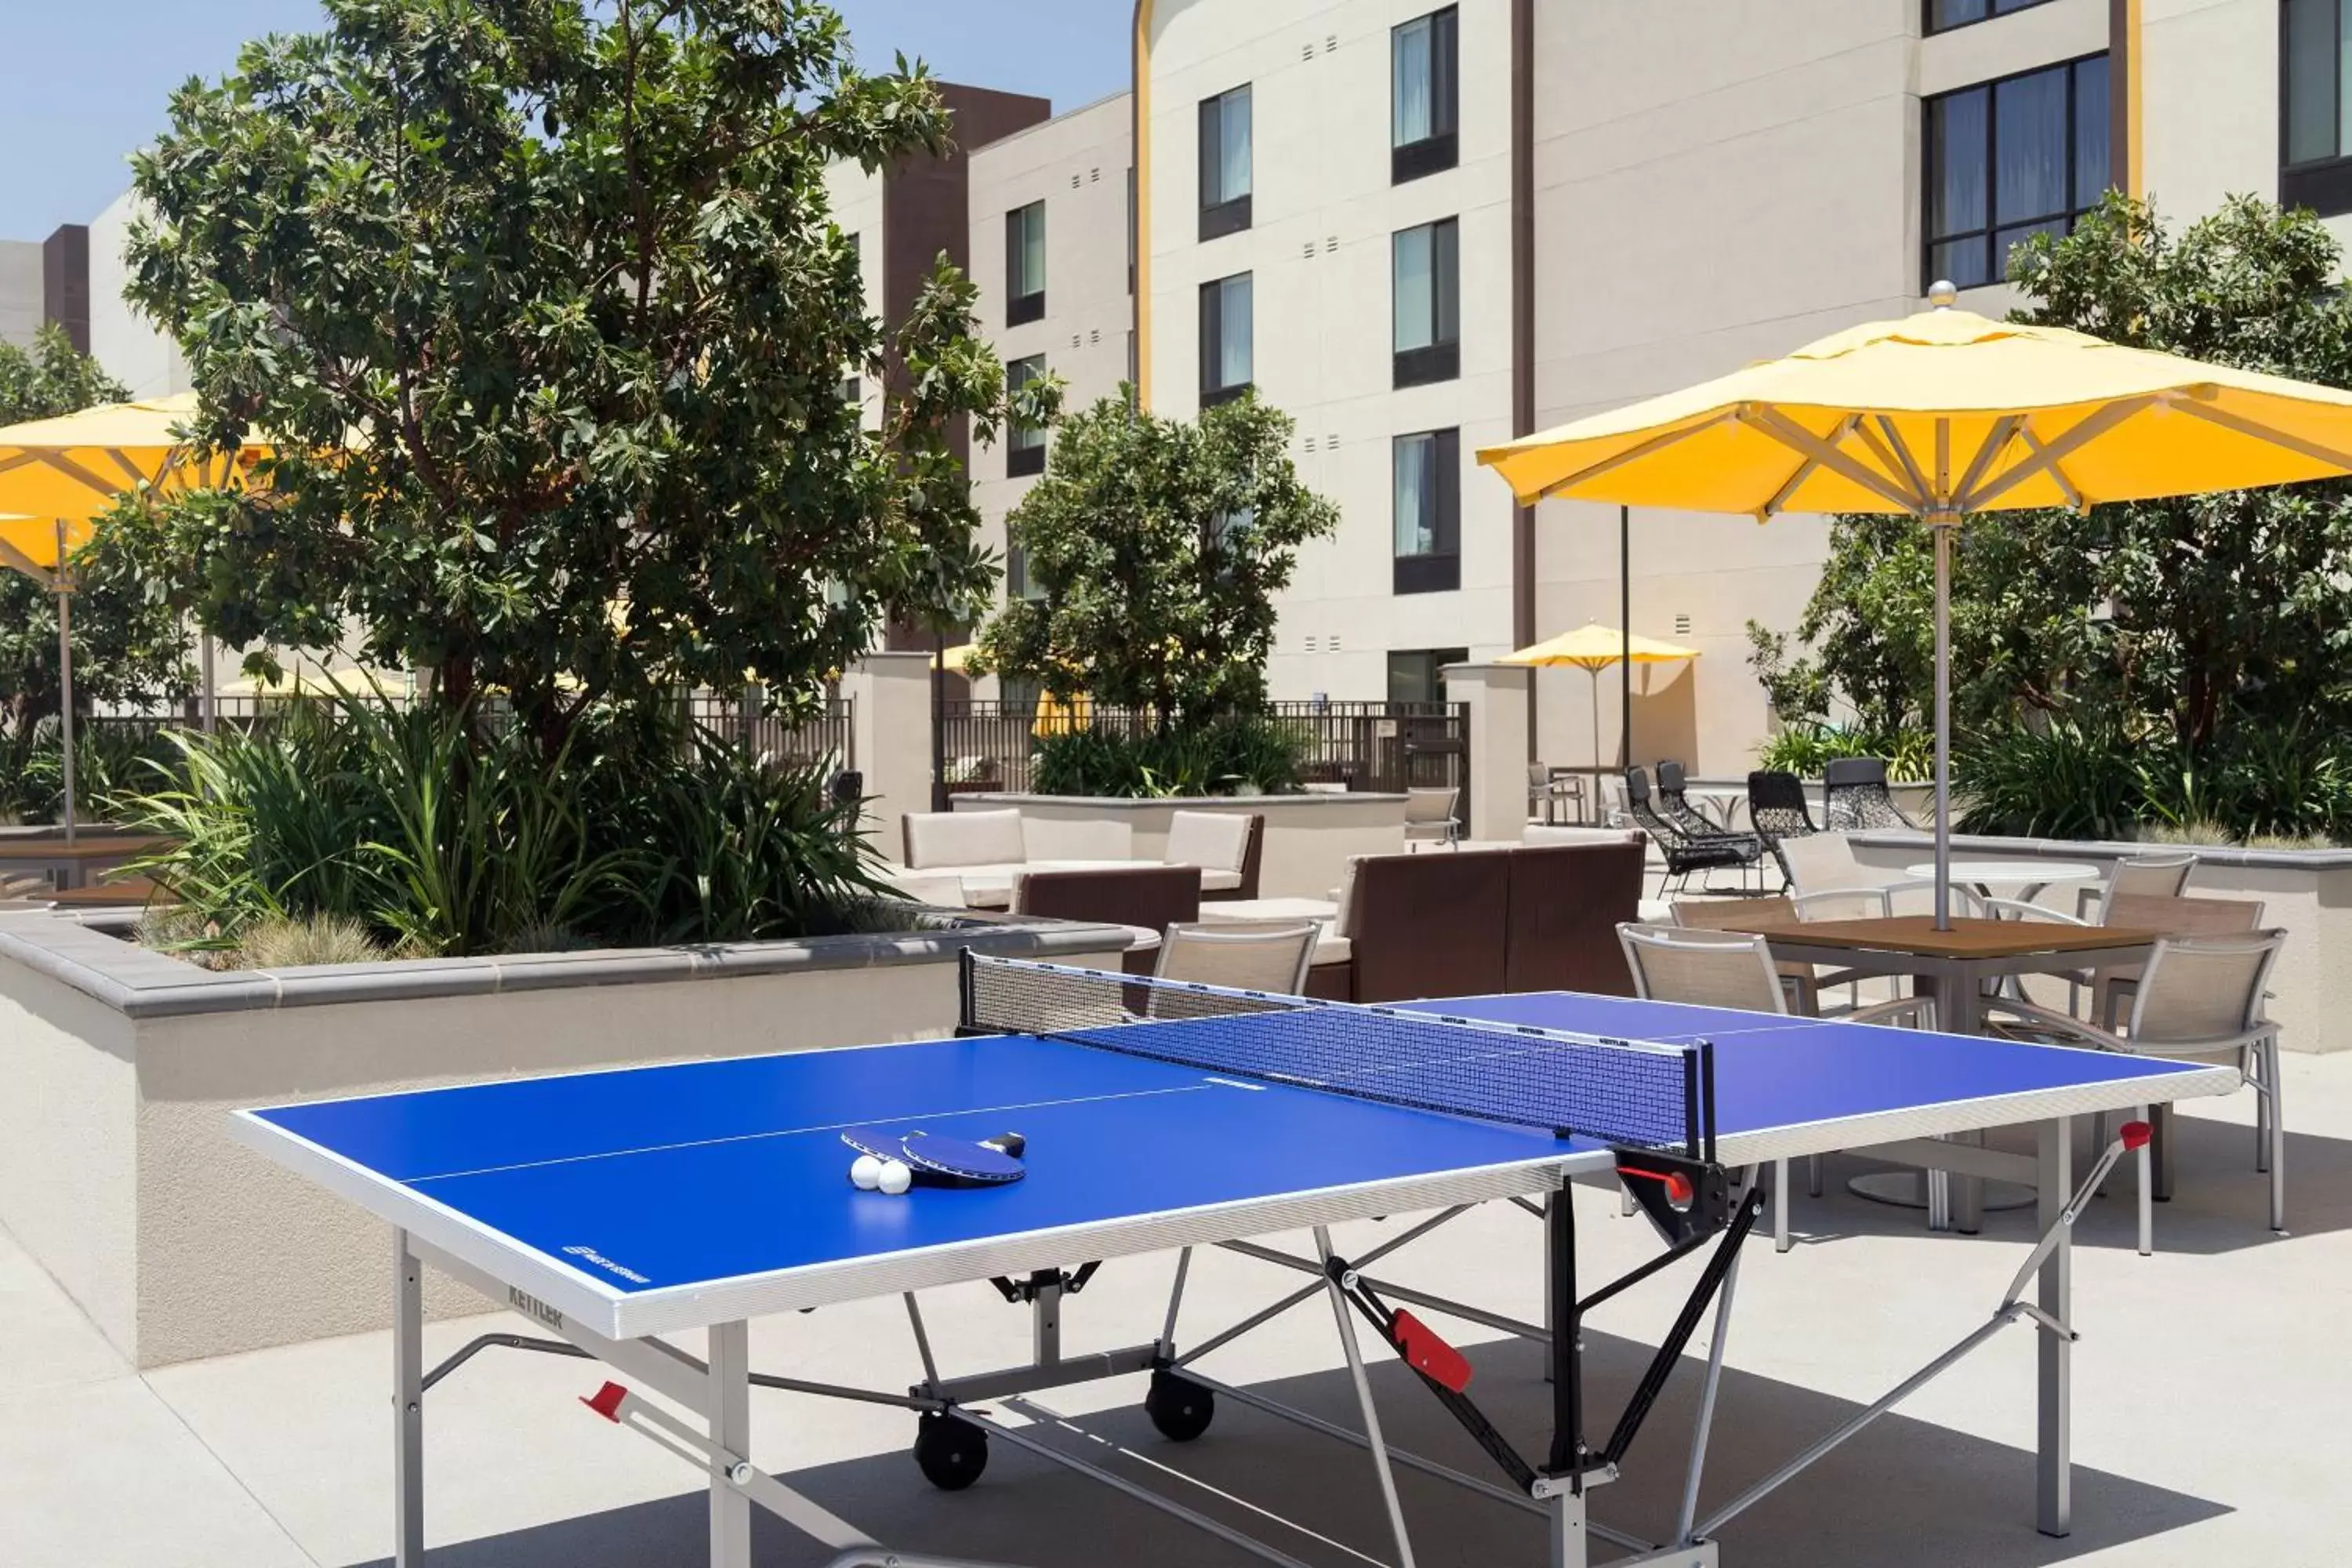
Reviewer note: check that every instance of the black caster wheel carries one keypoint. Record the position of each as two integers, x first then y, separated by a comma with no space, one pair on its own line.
1180,1407
951,1453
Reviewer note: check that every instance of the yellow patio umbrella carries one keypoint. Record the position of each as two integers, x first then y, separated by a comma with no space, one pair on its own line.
1593,647
1938,416
957,659
58,476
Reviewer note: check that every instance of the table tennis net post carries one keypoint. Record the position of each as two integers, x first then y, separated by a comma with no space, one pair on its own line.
1627,1093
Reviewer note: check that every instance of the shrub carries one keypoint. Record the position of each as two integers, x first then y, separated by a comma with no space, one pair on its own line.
441,834
2282,787
282,944
1238,753
1805,749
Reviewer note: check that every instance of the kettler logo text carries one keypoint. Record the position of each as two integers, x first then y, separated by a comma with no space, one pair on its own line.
533,1308
590,1255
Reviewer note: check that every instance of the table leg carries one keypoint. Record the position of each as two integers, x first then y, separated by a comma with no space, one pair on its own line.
731,1435
407,1406
2054,1511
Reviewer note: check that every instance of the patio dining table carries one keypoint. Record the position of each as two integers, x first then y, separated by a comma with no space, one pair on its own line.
1953,967
71,865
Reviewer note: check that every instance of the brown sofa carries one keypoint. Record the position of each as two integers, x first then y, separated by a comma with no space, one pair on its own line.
1474,922
1150,897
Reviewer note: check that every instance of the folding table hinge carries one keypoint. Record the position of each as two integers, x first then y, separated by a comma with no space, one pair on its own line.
1069,1282
1684,1199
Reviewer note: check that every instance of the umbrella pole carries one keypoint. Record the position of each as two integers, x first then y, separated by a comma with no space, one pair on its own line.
65,680
1942,530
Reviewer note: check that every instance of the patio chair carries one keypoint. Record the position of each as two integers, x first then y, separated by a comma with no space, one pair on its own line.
1857,797
2200,999
1825,863
1672,801
1685,852
1429,816
1546,790
1777,810
1227,846
1271,958
1732,968
2152,876
2112,986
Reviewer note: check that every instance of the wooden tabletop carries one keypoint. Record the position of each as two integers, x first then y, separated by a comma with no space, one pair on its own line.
1918,935
127,892
96,847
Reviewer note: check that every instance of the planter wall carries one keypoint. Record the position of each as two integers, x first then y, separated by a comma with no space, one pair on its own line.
2307,893
117,1173
1308,837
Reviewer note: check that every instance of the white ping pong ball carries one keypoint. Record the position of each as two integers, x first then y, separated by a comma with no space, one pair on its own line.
896,1177
866,1172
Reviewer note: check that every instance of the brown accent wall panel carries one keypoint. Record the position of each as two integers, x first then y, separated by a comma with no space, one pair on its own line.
1523,313
2123,43
64,282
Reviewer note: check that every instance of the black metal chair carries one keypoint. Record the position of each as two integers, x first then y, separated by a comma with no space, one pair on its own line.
1672,801
1685,851
1858,796
1777,809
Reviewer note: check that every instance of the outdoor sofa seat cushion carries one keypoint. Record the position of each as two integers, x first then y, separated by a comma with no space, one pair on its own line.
1216,882
1537,832
936,839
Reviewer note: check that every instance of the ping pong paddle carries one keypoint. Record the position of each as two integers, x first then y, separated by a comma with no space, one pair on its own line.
943,1160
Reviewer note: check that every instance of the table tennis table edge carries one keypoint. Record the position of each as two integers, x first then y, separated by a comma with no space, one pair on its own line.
669,1309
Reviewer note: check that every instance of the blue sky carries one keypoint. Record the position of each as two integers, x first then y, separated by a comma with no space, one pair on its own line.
106,68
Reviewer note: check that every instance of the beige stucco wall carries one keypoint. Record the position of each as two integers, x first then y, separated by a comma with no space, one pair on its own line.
1076,163
125,342
21,293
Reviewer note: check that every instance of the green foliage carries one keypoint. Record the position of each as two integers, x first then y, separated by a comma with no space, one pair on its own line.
1805,750
2091,779
108,757
2175,638
128,644
1235,754
545,308
1155,547
443,833
317,939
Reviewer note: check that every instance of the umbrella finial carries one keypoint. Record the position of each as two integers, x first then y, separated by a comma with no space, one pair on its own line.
1942,294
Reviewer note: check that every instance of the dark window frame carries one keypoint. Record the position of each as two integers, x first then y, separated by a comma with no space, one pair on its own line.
1437,571
1213,337
1024,448
1441,359
1432,671
1226,214
2077,206
1441,148
2323,185
1927,28
1020,310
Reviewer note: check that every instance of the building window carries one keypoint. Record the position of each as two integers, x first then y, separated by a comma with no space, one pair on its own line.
1418,675
2315,142
1025,263
1428,294
1422,72
2024,155
1225,371
1025,448
1225,163
1427,477
1130,231
1943,15
853,389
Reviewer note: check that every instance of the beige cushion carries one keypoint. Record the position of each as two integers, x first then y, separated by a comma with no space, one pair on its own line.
1537,833
1344,924
1213,840
937,838
1219,882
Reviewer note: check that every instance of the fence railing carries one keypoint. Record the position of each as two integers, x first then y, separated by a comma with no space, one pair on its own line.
828,734
1361,746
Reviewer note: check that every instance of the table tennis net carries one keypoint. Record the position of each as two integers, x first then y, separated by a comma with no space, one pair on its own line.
1626,1093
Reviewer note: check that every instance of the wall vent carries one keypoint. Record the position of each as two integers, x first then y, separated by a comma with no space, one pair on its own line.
1682,626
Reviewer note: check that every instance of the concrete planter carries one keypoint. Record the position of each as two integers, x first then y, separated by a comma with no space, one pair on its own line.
122,1064
2307,893
1308,837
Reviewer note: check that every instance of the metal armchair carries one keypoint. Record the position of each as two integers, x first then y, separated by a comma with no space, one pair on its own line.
1857,797
1684,851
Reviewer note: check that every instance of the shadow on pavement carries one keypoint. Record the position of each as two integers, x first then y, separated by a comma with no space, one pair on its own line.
1904,1492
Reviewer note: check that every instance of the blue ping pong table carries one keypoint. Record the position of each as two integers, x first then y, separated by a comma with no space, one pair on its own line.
614,1208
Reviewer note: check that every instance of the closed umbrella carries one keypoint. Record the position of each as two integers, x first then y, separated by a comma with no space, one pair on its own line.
58,476
1943,416
1593,647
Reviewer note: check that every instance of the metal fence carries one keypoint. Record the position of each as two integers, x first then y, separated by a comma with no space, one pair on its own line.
1361,746
826,735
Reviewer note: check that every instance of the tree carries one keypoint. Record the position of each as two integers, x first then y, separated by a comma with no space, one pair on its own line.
2187,619
545,308
128,644
1156,547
